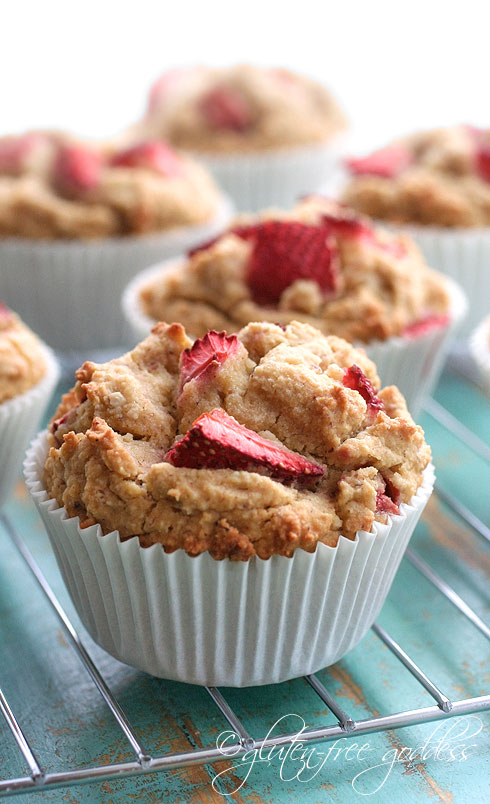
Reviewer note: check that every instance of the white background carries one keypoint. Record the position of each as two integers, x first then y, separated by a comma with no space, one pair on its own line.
86,66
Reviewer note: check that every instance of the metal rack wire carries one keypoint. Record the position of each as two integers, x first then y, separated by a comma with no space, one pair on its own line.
143,763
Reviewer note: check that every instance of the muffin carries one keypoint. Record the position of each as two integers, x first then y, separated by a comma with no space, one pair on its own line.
436,185
228,491
480,351
267,134
77,220
320,264
28,374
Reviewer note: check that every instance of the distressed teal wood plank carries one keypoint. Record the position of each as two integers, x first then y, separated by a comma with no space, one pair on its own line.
68,724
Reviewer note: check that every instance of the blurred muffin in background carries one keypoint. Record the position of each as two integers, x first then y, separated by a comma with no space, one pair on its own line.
267,134
78,219
431,178
53,186
436,184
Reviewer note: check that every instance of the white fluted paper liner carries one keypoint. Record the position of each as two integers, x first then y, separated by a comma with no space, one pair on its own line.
220,622
139,322
20,418
69,291
480,351
463,255
413,364
275,177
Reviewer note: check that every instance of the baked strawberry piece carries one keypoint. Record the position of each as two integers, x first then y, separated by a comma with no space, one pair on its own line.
355,379
425,325
206,355
226,107
387,162
388,498
152,154
218,441
77,169
285,251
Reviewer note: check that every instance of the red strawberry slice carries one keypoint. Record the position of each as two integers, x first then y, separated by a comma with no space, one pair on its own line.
206,355
218,441
226,107
387,499
77,168
482,161
151,154
284,251
425,325
388,162
355,379
347,225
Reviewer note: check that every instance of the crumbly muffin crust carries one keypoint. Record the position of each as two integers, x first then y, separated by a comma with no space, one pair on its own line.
114,433
22,362
54,187
240,108
381,284
439,177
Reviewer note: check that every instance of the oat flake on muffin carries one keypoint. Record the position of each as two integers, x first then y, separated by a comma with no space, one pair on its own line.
55,187
239,109
319,263
254,444
439,177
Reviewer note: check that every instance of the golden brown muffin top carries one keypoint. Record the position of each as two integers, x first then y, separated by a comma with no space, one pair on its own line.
439,178
319,263
55,187
254,444
239,109
22,362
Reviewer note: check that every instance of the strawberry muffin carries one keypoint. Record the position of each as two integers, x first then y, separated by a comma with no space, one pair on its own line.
262,131
269,448
28,374
436,185
321,264
78,219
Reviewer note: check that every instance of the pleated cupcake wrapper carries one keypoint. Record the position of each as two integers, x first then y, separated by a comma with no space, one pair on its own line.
139,323
226,623
276,177
480,351
413,364
20,418
69,291
463,255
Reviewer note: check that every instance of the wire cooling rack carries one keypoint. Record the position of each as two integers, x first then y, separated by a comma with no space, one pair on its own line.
38,780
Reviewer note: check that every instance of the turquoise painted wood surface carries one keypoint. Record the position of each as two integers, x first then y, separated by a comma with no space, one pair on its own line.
69,726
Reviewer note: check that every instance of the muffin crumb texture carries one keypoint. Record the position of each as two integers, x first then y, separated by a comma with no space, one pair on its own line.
55,187
22,362
439,177
239,109
319,263
240,445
